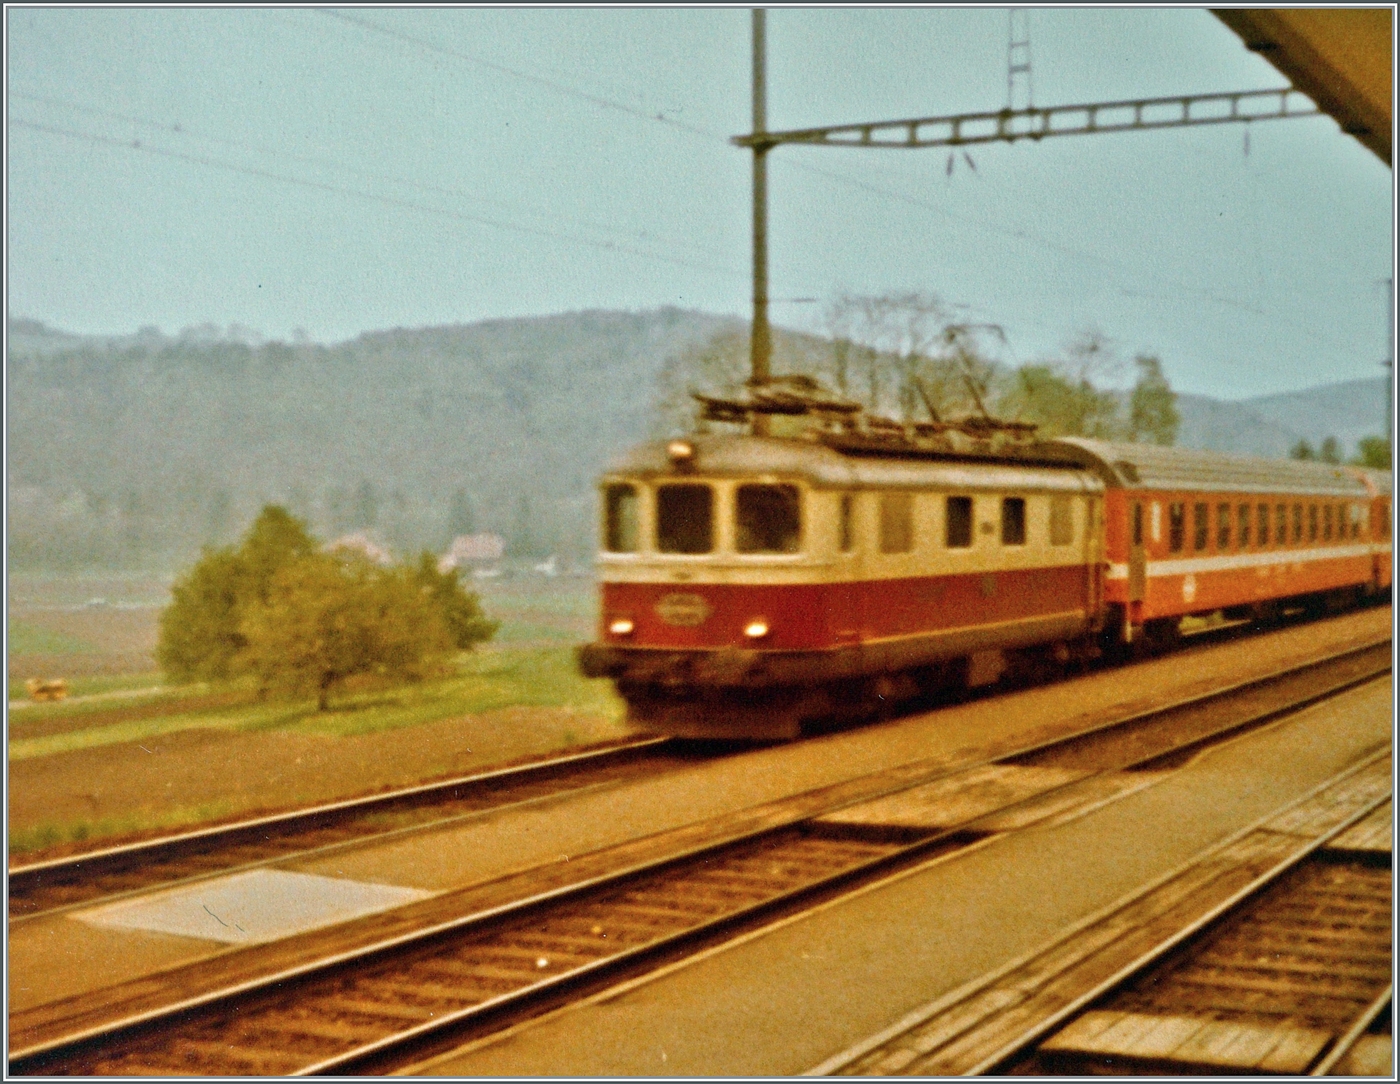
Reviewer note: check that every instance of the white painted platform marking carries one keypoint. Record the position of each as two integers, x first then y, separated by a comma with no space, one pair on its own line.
255,905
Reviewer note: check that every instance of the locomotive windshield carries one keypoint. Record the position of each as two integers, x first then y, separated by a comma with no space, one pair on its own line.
767,519
685,519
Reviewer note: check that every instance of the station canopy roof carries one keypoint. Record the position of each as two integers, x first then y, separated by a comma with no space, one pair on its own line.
1338,57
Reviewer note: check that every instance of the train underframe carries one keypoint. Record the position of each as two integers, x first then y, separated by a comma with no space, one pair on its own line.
736,694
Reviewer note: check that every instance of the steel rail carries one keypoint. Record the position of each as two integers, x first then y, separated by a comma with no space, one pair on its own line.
1022,1041
43,1052
25,880
1344,1044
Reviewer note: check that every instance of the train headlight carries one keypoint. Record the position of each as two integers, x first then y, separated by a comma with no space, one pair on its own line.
756,629
681,454
621,626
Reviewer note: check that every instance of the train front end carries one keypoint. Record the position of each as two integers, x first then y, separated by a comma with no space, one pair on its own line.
717,603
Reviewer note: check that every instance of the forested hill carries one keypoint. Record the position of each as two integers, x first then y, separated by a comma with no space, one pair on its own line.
134,451
137,450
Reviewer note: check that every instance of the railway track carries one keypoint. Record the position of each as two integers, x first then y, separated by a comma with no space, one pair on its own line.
1271,954
375,995
45,888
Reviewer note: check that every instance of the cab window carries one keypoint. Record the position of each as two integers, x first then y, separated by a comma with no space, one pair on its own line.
1176,526
767,519
620,519
685,518
847,526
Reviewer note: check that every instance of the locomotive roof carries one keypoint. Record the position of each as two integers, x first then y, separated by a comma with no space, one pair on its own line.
750,456
1149,466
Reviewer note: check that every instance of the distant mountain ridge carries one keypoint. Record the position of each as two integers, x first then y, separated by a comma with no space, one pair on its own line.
135,450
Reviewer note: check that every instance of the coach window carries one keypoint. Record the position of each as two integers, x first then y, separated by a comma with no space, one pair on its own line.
1137,523
958,523
1202,525
1222,526
896,522
1327,523
1312,523
1263,511
767,519
1176,526
1013,521
1244,525
1280,523
685,519
846,529
620,514
1297,523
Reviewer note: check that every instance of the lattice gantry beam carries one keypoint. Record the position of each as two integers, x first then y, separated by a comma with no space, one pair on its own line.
1009,125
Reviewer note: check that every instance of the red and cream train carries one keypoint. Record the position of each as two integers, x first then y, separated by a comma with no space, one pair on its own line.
750,583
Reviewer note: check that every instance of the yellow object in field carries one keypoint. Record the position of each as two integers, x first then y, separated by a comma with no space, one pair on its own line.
52,689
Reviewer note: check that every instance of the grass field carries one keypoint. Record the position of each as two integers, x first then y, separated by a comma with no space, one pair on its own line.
102,644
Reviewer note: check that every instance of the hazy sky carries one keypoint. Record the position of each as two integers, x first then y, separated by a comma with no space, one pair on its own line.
288,168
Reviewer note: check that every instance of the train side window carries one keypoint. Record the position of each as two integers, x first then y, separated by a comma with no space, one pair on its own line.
1137,523
1280,523
1222,526
1312,523
1327,523
620,518
1263,536
958,523
1244,525
1013,521
896,522
1297,523
768,519
1202,525
685,518
847,528
1176,526
1061,521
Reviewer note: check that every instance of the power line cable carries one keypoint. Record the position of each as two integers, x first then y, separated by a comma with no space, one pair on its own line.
1011,232
181,130
539,80
389,201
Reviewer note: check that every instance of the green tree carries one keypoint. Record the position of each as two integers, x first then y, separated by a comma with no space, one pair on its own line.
330,617
200,631
1330,452
1302,450
1373,452
1059,406
460,608
1152,413
199,634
